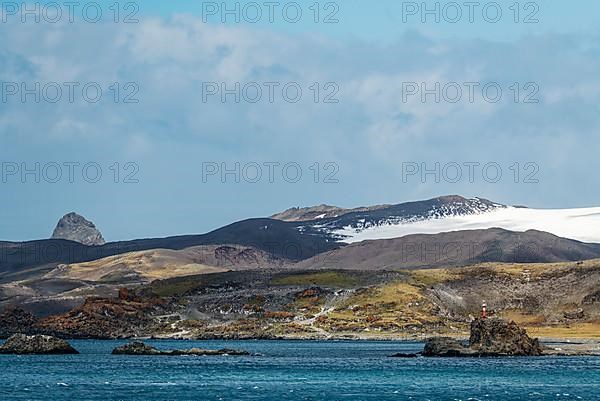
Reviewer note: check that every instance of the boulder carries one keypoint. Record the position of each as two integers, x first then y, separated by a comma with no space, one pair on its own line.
22,344
489,337
139,348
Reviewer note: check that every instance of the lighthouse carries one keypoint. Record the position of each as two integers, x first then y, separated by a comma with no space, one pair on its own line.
484,310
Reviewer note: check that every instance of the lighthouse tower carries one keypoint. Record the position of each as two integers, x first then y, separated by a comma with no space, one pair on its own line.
484,310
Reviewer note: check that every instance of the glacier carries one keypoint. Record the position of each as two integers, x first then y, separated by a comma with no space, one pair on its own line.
579,224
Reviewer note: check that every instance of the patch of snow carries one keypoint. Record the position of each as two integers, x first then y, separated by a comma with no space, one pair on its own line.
578,224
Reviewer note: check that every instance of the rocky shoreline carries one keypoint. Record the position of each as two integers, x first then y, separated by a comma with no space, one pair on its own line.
321,306
488,338
130,318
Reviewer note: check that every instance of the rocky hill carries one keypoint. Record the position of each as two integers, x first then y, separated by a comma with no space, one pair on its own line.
458,248
345,224
557,300
55,289
333,228
74,227
451,213
23,260
145,266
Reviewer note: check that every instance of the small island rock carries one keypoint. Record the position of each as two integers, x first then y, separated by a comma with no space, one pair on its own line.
139,348
489,337
136,348
404,355
22,344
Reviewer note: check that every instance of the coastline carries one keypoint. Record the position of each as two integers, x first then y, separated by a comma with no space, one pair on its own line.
417,339
553,346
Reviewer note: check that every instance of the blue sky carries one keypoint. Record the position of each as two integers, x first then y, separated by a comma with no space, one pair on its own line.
383,21
363,143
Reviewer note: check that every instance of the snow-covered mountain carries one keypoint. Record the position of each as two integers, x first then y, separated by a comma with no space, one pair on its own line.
579,224
454,213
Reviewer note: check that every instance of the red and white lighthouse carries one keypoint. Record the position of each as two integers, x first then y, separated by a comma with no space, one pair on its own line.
484,310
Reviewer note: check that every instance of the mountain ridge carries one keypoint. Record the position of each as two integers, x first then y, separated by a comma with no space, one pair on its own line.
324,211
455,248
291,240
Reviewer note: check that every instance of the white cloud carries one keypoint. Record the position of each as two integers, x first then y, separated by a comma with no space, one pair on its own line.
369,128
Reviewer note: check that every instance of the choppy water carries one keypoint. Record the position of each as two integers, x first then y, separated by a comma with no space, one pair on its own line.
293,370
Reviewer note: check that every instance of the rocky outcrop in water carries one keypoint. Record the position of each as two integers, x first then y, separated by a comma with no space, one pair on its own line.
489,337
135,348
22,344
446,347
404,355
74,227
497,336
139,348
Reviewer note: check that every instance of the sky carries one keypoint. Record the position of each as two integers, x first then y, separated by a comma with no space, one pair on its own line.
162,118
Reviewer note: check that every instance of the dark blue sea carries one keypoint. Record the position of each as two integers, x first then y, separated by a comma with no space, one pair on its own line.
293,370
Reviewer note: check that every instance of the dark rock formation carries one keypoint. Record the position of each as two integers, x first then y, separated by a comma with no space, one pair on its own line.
499,337
22,344
104,318
76,228
489,337
136,348
139,348
403,355
15,320
444,346
96,318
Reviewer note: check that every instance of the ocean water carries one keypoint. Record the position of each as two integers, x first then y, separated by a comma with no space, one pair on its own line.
293,370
